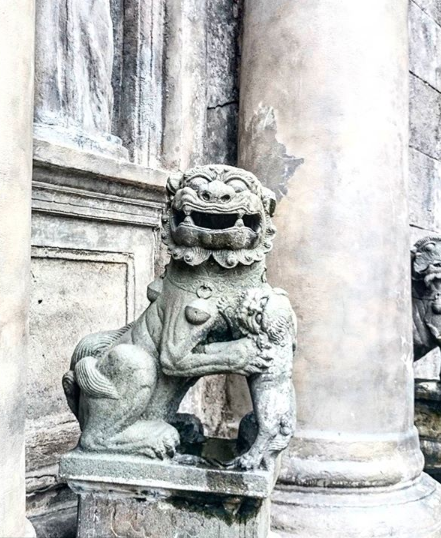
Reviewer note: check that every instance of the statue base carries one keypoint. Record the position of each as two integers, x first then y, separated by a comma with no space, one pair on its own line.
428,423
135,497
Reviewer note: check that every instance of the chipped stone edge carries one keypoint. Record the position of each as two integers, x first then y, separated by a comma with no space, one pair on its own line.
86,471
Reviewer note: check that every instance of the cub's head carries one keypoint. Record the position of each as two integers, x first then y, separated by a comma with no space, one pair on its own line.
426,260
218,211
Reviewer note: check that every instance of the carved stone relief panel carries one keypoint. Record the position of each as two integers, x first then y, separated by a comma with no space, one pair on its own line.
98,77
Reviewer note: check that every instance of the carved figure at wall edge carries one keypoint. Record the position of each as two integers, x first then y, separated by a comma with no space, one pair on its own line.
426,295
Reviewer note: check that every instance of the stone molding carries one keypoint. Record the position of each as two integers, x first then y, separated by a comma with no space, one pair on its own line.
80,184
57,157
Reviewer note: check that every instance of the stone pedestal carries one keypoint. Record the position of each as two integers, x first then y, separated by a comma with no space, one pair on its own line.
323,117
132,496
428,422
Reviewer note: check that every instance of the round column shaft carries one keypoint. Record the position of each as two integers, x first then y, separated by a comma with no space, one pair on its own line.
324,122
16,103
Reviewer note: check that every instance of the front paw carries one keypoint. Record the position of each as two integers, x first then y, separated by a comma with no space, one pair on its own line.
253,359
161,440
246,462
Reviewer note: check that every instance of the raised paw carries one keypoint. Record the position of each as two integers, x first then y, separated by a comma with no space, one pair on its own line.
257,364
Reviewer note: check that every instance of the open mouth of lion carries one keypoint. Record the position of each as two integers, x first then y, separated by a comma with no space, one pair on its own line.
216,230
217,221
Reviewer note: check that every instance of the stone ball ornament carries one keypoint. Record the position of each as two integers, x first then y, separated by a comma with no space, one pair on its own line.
211,312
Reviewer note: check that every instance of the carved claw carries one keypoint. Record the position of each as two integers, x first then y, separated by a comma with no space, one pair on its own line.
258,364
167,445
246,462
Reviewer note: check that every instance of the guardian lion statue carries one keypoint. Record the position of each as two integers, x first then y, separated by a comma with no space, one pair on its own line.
211,312
426,295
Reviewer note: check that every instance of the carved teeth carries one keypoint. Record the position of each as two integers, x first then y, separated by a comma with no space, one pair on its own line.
188,220
186,210
239,221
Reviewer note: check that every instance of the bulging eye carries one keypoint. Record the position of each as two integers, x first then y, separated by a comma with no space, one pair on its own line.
197,182
238,185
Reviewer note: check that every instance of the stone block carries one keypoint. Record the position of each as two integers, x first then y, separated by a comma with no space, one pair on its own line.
425,118
61,311
223,52
424,191
431,7
429,366
424,46
221,139
135,497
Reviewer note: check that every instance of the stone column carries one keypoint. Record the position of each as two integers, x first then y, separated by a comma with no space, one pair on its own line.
16,102
324,121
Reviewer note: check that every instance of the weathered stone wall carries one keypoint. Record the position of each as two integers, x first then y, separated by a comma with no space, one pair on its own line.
425,132
93,250
136,88
97,195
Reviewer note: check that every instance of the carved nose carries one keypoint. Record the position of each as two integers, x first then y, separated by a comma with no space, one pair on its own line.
216,192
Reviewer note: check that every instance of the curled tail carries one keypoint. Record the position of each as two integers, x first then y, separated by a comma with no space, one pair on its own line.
86,376
94,345
92,381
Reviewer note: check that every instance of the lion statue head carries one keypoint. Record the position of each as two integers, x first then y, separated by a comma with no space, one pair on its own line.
426,262
218,211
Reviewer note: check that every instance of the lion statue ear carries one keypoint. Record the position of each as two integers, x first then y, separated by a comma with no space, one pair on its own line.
269,201
173,182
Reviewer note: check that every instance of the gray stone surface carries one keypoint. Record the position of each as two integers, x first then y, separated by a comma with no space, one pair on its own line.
92,216
131,496
431,7
425,112
405,512
222,77
424,191
16,98
223,52
181,517
185,108
59,524
337,99
138,77
74,65
110,470
99,77
424,46
221,136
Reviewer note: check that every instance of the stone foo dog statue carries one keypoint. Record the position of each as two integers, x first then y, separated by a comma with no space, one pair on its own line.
426,294
426,304
211,312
